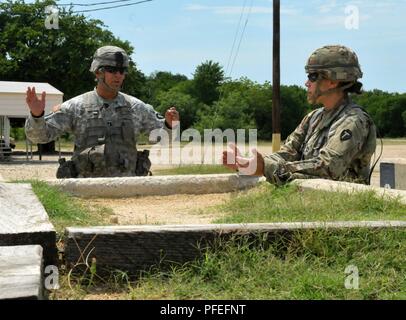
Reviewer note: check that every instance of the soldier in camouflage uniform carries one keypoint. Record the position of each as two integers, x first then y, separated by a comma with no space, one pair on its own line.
334,142
105,122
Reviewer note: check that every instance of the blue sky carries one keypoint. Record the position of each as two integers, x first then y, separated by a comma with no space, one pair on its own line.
177,35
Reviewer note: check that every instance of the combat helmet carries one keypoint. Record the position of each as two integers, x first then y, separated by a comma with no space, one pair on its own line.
109,56
335,62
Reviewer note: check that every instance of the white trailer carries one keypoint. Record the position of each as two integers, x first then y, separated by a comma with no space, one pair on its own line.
13,105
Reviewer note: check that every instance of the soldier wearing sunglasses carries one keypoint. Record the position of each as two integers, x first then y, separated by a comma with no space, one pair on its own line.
105,122
334,142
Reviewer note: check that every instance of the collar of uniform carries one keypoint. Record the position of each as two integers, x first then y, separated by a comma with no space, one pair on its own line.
328,116
117,101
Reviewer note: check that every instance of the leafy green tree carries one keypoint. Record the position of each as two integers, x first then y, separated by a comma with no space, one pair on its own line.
207,78
62,57
294,107
386,109
134,83
404,120
162,81
232,111
186,105
259,98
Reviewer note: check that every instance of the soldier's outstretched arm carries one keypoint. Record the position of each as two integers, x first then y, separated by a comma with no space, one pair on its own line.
172,117
36,106
290,151
249,166
151,119
43,129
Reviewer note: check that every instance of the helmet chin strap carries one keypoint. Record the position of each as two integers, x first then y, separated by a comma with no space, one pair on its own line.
103,82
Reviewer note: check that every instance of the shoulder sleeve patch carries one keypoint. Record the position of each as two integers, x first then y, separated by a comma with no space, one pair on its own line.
159,116
346,135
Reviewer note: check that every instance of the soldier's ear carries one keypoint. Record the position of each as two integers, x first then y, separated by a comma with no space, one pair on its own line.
99,75
334,84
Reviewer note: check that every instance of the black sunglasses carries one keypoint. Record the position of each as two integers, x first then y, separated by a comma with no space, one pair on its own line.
314,76
111,69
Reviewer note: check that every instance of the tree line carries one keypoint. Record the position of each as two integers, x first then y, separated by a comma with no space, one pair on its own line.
62,57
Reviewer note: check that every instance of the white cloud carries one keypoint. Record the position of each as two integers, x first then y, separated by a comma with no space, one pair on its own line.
196,7
338,20
229,10
372,6
328,7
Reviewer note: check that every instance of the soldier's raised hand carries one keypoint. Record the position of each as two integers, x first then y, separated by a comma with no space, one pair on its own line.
253,166
230,156
172,117
37,106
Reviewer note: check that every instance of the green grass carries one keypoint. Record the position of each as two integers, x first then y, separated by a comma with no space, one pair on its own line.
66,211
193,169
267,203
311,265
308,265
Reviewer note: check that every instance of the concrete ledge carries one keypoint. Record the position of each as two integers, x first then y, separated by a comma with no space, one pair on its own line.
24,221
337,186
21,275
136,248
156,185
393,173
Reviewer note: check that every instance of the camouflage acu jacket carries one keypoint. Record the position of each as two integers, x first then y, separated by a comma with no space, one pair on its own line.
105,131
336,144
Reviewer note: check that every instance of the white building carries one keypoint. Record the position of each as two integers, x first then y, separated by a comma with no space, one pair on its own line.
13,105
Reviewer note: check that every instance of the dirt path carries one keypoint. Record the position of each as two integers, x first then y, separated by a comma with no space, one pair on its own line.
175,209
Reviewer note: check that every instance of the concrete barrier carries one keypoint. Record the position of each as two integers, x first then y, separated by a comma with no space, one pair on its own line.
338,186
155,185
21,272
393,173
136,248
24,221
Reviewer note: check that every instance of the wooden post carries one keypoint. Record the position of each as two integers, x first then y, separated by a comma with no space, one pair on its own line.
276,118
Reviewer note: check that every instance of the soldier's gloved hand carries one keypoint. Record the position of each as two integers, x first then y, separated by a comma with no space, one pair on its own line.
283,173
253,166
37,106
172,117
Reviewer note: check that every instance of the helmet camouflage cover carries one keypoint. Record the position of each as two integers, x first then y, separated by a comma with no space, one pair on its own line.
109,56
337,63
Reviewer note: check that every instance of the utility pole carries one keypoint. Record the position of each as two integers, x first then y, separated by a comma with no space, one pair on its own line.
276,87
